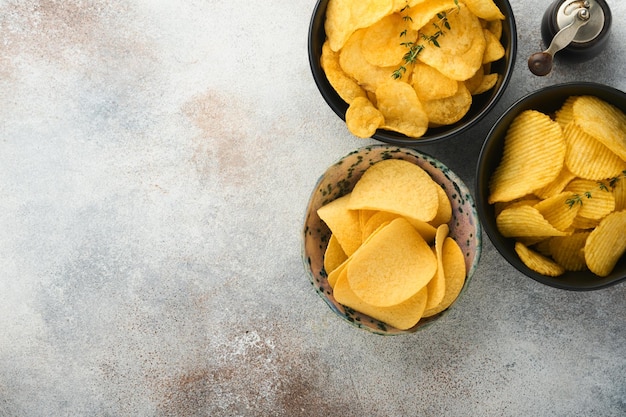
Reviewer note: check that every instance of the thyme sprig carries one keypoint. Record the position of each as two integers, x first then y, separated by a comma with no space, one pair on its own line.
578,198
414,48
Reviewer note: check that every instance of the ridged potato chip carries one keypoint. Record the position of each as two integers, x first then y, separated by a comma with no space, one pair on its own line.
606,244
557,185
619,193
567,251
603,121
461,49
403,111
534,154
594,198
565,114
537,262
557,211
525,221
392,266
588,158
363,118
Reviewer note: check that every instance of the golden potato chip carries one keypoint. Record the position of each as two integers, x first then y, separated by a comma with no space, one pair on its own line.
449,110
588,158
399,187
444,211
430,84
488,81
525,221
493,26
454,271
401,316
354,64
485,9
606,244
619,193
565,114
344,17
567,251
381,45
420,14
403,112
534,154
461,49
557,185
603,121
343,223
392,266
334,255
537,262
362,118
594,198
582,223
378,219
557,211
493,49
437,285
333,276
475,81
529,200
347,88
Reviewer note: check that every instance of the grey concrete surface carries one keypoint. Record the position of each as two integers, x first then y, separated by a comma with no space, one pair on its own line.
156,158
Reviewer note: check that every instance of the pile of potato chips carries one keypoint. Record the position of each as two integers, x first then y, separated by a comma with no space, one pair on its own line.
368,42
389,255
560,187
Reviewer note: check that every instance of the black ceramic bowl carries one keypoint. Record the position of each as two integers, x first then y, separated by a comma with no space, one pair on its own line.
481,104
546,100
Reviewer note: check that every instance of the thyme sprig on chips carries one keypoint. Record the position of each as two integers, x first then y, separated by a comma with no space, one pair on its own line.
416,48
578,198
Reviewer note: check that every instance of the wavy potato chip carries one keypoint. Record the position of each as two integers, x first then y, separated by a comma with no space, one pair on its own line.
363,118
392,266
537,262
606,244
557,211
567,251
557,185
525,221
603,121
565,114
534,154
396,186
594,198
588,158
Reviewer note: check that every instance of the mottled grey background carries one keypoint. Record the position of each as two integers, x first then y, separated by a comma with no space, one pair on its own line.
156,158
